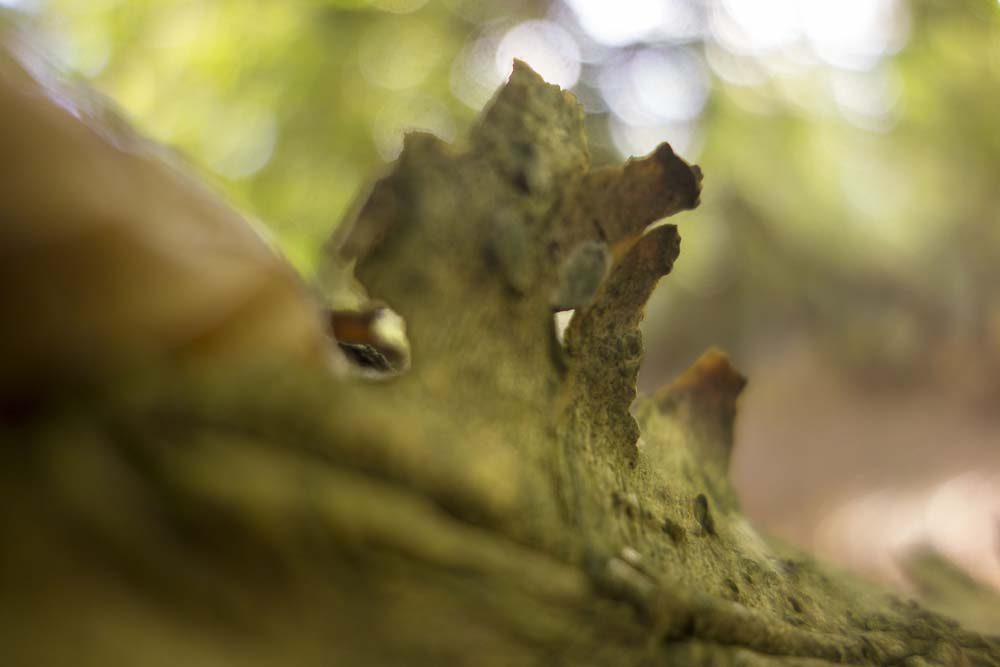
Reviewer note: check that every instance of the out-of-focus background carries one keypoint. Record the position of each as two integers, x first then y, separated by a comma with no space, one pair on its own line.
846,252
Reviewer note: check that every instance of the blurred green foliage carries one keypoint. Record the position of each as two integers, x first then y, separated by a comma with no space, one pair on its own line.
277,101
877,235
850,193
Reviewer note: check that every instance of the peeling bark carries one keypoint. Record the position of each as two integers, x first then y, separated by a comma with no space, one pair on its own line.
499,503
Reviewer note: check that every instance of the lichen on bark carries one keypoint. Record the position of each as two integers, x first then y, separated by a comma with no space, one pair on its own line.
506,500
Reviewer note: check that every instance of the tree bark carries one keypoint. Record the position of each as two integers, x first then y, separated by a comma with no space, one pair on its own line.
504,500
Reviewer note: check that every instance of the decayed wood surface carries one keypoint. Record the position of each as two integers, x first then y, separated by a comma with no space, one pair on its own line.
183,489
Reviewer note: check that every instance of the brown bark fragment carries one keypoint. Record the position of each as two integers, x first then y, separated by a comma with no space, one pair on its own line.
705,395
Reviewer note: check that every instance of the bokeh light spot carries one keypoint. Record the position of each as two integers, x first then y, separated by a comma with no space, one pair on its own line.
754,26
629,21
241,143
618,23
408,114
855,34
656,86
549,49
474,76
643,139
398,54
867,99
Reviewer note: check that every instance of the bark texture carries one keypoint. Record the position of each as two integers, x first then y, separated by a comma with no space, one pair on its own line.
498,503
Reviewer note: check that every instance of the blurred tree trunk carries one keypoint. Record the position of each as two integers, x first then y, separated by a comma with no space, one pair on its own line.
187,481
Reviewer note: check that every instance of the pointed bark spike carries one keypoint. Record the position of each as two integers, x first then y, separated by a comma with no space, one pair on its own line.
604,342
643,191
705,395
